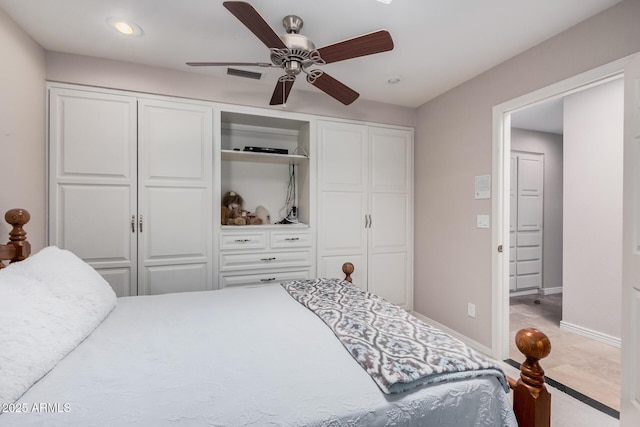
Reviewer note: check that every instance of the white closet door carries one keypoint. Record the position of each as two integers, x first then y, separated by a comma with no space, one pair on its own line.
390,207
92,174
343,184
529,220
513,220
175,196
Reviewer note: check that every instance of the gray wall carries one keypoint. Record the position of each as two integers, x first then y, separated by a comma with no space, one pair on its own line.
549,144
454,143
22,128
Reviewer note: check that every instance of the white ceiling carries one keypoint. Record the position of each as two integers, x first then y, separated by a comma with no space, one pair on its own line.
438,43
547,116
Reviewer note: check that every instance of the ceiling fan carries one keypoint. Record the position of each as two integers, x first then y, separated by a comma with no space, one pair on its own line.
295,53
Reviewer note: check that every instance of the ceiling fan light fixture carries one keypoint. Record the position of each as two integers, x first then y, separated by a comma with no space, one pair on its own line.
124,27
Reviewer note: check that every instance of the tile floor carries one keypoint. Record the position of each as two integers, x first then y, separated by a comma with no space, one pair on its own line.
585,365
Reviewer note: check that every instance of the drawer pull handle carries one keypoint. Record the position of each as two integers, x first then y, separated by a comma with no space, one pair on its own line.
267,259
270,279
292,239
242,240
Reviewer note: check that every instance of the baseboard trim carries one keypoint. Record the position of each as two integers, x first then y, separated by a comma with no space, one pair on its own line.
589,333
468,341
552,290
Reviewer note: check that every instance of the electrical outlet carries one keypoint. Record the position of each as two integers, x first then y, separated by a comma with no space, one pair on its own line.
471,310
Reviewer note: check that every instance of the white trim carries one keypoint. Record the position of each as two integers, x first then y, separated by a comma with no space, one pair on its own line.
589,333
551,290
501,148
468,341
524,292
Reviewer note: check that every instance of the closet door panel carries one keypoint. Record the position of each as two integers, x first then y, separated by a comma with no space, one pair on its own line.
388,277
343,223
165,279
391,159
175,201
331,267
389,228
93,134
99,239
93,181
343,156
119,279
173,229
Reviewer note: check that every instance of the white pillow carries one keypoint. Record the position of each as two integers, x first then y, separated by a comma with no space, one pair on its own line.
49,303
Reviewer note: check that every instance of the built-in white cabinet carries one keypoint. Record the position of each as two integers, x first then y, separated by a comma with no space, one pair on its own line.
267,253
526,222
365,201
136,183
260,254
130,188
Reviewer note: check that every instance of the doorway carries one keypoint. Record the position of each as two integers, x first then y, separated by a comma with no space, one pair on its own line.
501,171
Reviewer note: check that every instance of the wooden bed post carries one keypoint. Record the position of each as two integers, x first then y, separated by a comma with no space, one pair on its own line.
18,248
531,400
347,269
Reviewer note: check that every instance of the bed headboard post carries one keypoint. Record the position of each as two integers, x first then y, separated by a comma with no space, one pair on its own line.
347,269
532,401
17,236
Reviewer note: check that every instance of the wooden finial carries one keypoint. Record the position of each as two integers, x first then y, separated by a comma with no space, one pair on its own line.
17,236
535,345
347,269
532,401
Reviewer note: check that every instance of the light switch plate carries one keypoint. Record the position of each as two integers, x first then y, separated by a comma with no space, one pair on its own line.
482,221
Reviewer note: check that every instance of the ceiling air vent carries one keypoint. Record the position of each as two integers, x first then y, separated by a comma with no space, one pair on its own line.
243,73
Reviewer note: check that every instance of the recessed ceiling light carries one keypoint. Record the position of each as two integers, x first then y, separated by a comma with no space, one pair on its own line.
393,80
125,27
385,1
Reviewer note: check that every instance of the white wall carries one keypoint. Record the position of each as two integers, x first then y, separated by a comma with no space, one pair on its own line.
22,129
549,144
593,157
454,143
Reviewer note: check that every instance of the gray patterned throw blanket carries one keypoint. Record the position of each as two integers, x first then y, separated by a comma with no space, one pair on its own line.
399,351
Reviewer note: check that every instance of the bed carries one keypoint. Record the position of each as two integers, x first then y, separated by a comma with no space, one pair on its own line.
71,353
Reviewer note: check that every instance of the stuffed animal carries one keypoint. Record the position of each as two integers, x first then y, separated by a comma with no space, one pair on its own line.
263,214
232,212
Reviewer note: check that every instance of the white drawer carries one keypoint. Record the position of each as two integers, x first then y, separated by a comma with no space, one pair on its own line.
248,240
262,279
290,239
242,261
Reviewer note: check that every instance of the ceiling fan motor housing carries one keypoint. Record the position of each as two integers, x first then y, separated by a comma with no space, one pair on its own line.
296,56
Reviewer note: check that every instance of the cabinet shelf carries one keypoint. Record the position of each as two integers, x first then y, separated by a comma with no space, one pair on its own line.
246,156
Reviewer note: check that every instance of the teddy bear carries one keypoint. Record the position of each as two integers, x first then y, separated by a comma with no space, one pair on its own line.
232,212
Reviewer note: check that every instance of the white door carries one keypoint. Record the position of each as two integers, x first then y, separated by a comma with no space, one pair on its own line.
343,182
92,181
174,220
526,219
390,221
630,405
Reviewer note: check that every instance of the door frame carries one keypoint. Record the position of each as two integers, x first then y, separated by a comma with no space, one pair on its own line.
501,148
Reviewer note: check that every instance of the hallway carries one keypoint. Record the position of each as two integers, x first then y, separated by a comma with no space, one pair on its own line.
590,367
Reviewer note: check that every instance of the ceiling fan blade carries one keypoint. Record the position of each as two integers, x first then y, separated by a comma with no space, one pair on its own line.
254,22
281,92
244,64
366,44
333,87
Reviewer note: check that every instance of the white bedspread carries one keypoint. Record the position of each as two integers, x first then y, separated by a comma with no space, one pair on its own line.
235,357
